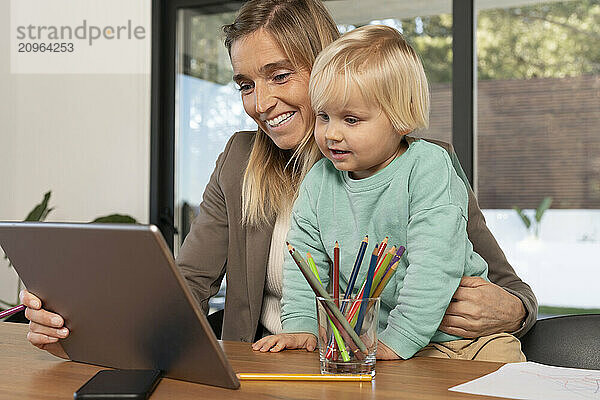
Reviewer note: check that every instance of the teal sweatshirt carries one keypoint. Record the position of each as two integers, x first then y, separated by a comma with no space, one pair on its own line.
419,201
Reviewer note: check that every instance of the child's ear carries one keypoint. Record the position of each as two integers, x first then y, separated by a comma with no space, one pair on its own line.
403,133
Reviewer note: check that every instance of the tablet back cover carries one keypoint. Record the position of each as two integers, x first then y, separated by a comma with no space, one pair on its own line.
121,295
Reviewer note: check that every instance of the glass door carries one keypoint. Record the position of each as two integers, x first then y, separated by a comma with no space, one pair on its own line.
208,109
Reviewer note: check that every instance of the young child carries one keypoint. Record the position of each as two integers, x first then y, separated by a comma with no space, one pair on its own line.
368,90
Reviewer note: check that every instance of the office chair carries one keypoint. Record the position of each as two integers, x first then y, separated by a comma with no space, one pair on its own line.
216,322
567,341
18,317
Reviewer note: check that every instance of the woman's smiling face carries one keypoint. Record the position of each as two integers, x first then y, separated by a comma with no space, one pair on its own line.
274,92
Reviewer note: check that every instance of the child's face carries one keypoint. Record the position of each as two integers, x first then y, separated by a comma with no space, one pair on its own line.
357,136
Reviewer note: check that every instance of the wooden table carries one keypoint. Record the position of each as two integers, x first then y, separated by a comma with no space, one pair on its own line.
29,373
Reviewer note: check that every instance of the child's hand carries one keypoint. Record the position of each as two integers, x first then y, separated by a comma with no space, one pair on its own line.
275,343
385,353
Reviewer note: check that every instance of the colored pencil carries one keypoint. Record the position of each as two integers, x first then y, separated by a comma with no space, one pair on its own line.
336,274
382,266
384,281
382,247
336,337
312,265
339,341
336,334
336,293
303,377
386,278
368,284
380,271
350,341
398,254
11,311
338,319
396,258
354,274
352,314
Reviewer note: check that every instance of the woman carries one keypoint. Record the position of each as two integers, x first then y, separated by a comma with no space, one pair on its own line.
245,211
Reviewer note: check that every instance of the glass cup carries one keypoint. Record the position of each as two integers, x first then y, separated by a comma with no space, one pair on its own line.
339,351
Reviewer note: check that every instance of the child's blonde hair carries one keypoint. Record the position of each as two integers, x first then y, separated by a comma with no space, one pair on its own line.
386,69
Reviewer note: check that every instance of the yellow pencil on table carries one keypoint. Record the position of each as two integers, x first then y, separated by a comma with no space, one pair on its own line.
304,377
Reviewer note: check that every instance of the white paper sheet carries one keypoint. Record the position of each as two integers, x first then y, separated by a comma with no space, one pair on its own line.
533,381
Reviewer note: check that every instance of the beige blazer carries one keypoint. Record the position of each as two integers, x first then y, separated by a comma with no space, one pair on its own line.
219,243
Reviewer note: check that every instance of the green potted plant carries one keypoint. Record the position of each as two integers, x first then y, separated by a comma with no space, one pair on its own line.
539,213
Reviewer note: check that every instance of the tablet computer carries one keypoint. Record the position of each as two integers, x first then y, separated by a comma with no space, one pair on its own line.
121,295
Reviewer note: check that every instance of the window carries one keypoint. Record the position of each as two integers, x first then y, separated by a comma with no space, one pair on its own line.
428,28
208,109
538,137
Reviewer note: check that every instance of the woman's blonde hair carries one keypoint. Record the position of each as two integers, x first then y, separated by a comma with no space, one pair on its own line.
302,28
385,68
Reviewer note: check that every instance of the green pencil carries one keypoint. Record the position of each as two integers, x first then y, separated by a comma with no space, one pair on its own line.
336,332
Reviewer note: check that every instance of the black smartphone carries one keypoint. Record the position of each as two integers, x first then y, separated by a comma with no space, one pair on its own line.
119,384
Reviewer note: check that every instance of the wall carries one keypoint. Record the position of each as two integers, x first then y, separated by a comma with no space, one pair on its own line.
536,138
539,137
85,137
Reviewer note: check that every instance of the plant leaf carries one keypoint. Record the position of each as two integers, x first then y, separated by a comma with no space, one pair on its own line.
544,205
40,211
46,214
116,219
524,217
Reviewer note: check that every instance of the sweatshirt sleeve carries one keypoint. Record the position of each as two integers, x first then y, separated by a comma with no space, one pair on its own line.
436,255
298,304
